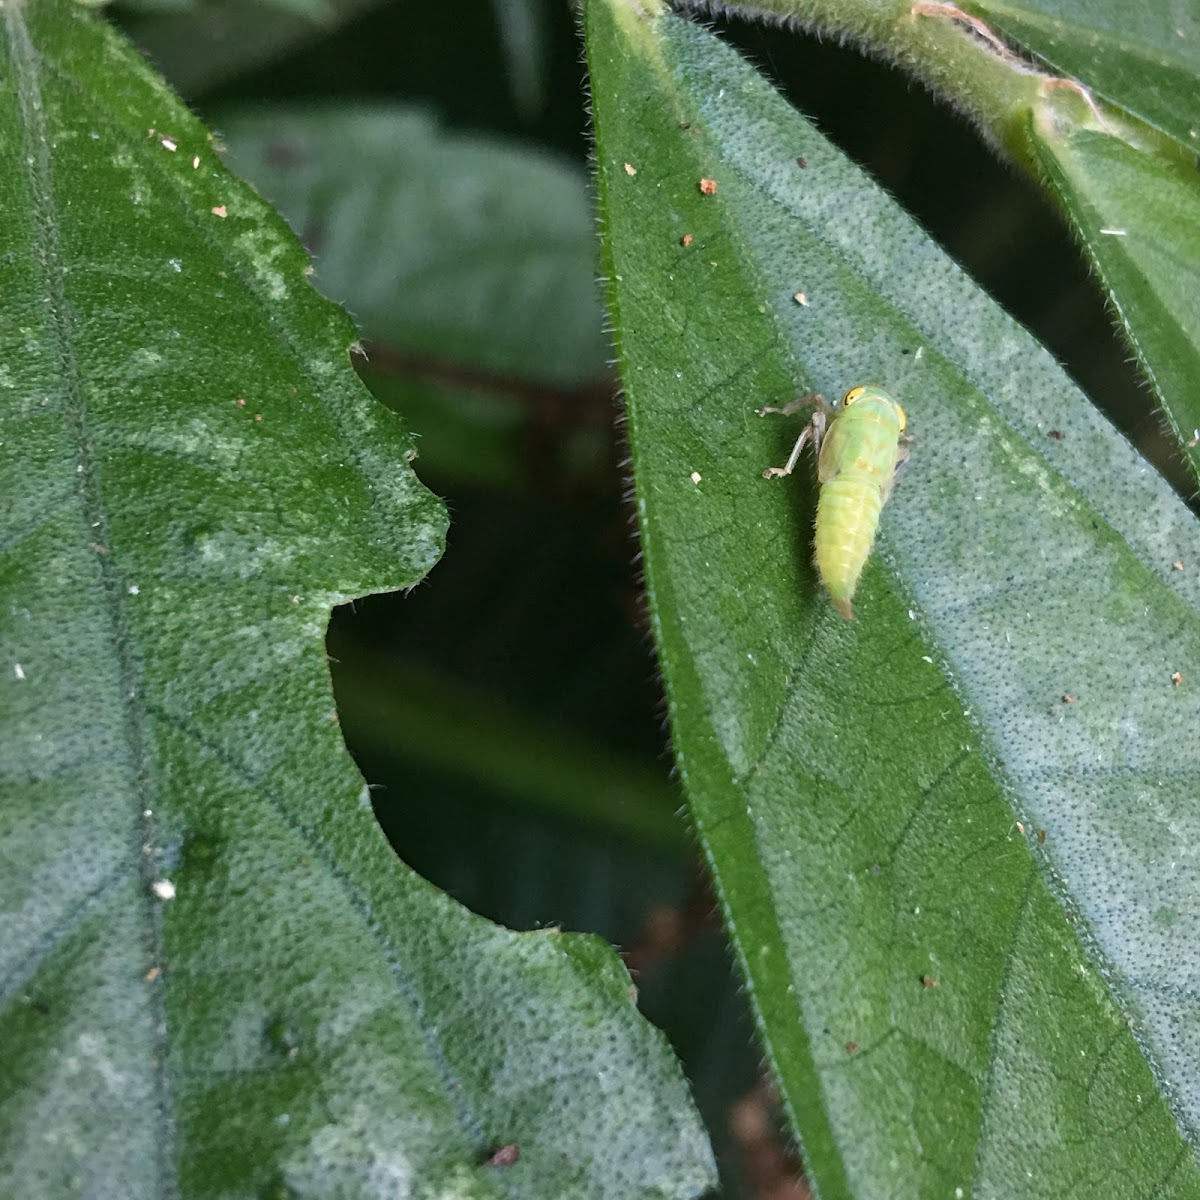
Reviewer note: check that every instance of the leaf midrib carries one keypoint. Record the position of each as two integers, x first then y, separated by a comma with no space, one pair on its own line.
35,145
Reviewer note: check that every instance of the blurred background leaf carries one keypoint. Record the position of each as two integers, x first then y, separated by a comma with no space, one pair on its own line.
199,44
523,27
488,247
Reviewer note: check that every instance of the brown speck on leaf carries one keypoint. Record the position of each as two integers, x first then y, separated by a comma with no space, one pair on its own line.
630,169
1041,837
852,1047
928,981
1068,699
504,1156
1177,565
240,402
801,161
1056,434
708,187
1177,678
686,240
220,211
152,974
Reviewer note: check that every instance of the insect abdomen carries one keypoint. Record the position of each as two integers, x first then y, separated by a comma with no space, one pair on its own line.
855,467
847,518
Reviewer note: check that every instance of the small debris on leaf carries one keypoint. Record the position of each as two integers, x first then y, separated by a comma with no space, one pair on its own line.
708,187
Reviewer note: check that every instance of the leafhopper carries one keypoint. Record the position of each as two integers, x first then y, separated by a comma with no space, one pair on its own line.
860,446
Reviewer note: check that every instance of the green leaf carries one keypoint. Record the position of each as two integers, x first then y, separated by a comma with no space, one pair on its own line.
954,840
1137,214
464,249
215,977
1144,58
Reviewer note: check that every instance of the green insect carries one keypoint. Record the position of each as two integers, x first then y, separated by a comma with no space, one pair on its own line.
860,446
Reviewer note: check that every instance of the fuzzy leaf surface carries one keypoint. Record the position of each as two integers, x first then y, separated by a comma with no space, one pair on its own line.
216,980
1136,211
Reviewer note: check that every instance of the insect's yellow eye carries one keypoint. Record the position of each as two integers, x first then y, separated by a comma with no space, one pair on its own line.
852,395
900,416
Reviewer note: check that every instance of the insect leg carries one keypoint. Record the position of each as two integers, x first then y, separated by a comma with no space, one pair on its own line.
794,406
901,463
817,425
814,431
790,409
